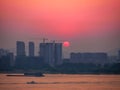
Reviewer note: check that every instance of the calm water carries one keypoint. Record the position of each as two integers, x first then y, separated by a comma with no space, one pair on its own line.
61,82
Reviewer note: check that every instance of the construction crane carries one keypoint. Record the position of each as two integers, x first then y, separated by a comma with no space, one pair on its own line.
57,41
43,39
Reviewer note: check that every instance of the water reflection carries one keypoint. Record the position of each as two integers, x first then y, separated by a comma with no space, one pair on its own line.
63,82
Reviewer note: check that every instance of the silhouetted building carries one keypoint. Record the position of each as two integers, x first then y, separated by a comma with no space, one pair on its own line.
6,59
75,58
20,61
29,62
4,63
3,52
51,53
42,50
119,54
31,49
58,53
96,58
21,55
11,57
21,48
112,59
66,60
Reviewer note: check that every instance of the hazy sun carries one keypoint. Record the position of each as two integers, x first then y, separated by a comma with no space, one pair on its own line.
66,44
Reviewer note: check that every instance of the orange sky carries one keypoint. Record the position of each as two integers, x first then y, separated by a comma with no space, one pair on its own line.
82,22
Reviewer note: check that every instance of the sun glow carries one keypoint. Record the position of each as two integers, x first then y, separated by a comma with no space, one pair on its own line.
66,44
60,18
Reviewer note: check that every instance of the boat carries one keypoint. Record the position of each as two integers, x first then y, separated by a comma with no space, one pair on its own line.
37,74
15,75
32,82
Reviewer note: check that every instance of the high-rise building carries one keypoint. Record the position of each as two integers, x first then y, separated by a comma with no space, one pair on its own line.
51,53
31,49
42,47
58,53
20,48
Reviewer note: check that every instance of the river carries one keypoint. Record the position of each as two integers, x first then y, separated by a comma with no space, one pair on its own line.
61,82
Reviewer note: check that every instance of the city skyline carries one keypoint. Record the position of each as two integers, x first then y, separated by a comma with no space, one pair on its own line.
51,58
89,25
22,49
66,50
51,53
74,44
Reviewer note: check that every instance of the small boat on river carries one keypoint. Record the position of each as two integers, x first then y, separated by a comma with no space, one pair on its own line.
32,82
36,74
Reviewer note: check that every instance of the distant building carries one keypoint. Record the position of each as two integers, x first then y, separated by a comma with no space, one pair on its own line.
20,48
96,58
112,59
11,57
66,60
75,58
6,59
34,62
3,52
31,49
119,54
27,62
51,53
20,61
42,49
58,53
20,54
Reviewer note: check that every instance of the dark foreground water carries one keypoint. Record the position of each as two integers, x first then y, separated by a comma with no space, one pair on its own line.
61,82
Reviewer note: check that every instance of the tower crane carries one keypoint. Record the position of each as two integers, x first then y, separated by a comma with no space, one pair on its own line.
43,39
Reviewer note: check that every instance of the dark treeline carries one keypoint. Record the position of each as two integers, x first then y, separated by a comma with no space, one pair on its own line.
89,68
65,68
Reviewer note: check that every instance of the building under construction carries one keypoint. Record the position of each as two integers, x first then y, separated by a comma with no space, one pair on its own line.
51,53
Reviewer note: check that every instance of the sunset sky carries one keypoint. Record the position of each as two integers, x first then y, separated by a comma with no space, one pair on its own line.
89,25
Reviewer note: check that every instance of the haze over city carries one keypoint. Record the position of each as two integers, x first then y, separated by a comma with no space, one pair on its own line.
89,25
59,44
